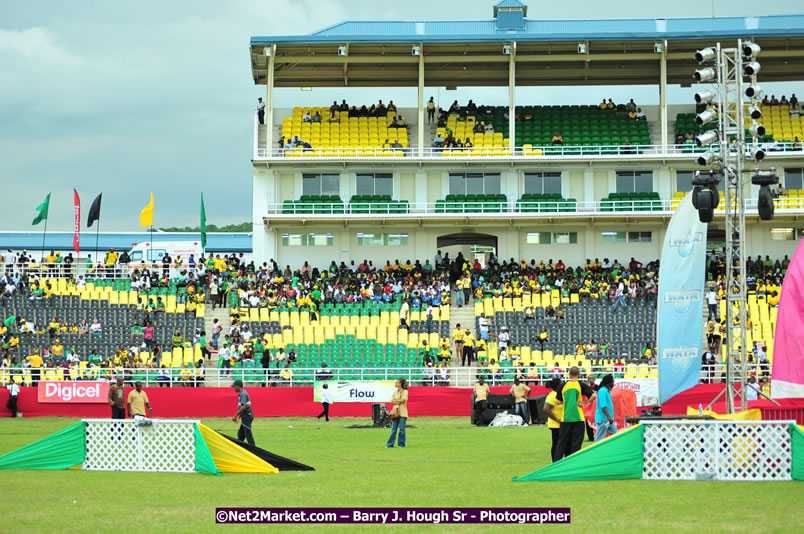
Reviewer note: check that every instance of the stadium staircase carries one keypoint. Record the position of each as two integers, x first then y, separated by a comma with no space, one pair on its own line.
464,316
211,363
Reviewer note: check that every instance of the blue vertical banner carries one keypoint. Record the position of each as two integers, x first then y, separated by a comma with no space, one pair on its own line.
681,287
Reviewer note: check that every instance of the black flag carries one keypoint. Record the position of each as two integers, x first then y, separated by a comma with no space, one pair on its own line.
94,211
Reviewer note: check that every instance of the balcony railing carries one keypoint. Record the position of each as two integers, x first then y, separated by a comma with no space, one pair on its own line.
552,152
517,208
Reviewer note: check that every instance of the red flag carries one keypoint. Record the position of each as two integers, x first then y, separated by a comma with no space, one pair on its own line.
77,235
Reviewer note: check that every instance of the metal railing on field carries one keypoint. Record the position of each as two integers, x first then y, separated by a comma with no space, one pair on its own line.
306,376
44,269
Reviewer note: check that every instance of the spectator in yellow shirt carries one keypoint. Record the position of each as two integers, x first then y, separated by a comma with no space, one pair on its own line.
457,336
494,371
554,409
286,375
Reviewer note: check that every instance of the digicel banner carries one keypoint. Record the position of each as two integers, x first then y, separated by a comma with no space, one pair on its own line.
73,392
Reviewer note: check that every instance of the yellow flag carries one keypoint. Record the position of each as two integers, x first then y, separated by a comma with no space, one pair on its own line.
147,214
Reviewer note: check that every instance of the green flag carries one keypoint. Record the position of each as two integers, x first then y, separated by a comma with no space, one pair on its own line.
203,224
42,209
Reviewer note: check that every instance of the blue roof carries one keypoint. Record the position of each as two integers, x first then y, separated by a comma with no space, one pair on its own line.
63,241
548,30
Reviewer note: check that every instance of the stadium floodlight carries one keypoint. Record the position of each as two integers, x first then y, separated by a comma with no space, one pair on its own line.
705,197
707,158
752,68
751,50
706,138
704,75
581,48
764,179
342,51
267,51
658,47
706,116
416,50
704,97
707,54
757,154
753,91
754,112
507,50
757,130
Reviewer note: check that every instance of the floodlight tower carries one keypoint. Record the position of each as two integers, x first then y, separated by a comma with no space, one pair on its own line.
727,103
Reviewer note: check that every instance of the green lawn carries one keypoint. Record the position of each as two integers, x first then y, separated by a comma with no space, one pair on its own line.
447,463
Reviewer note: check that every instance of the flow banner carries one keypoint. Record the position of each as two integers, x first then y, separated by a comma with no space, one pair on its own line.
340,391
681,285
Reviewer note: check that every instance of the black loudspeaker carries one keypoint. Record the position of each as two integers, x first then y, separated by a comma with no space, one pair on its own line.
501,402
536,410
379,415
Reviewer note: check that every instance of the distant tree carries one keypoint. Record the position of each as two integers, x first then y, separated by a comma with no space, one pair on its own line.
211,228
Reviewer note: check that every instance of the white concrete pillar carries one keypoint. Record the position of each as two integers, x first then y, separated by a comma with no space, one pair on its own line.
420,126
269,102
663,96
512,97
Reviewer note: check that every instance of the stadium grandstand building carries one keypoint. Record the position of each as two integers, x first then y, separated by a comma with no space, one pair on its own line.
589,181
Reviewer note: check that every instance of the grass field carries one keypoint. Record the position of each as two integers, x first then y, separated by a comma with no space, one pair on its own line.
447,463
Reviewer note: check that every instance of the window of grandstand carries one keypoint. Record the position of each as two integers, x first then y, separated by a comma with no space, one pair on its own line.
321,184
793,179
684,180
307,240
635,181
610,238
384,240
375,184
541,183
552,238
783,234
474,183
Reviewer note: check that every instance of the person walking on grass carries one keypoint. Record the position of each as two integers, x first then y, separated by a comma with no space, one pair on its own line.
604,411
399,413
117,399
244,415
326,400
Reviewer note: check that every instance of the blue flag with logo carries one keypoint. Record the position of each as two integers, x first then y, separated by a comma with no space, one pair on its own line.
681,287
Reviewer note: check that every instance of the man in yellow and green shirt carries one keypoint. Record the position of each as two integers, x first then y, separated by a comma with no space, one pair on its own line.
571,431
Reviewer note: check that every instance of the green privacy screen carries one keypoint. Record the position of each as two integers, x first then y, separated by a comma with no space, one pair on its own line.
615,458
65,449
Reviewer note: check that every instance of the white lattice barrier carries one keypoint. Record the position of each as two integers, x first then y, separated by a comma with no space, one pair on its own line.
718,450
122,445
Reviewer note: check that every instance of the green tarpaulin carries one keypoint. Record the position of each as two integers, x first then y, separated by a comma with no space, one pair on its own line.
62,450
797,445
617,457
203,459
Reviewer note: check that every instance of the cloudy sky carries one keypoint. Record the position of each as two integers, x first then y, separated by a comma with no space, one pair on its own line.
127,98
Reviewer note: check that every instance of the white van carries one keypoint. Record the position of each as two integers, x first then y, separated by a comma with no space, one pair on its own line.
147,252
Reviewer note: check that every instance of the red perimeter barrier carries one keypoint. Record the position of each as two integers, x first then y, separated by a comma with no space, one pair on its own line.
703,394
266,402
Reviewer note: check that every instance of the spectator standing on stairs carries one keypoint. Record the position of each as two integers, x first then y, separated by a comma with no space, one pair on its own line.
261,110
457,336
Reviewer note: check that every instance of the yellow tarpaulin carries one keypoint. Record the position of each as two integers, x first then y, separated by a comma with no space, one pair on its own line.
749,415
231,458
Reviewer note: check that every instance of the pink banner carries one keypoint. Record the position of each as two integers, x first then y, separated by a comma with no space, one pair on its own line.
788,347
77,225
